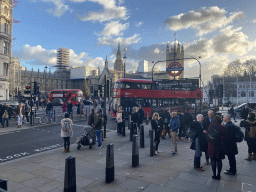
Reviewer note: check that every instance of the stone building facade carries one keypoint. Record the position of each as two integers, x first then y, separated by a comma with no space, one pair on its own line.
15,77
6,20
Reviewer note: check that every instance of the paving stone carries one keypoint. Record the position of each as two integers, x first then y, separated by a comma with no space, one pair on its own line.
235,186
192,178
132,184
37,182
24,176
157,188
48,172
51,186
30,167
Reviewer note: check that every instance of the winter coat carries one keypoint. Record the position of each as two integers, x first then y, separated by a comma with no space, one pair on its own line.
135,117
218,150
92,119
247,125
18,110
70,107
64,107
230,144
174,123
141,113
66,133
155,126
188,118
207,122
245,112
98,125
195,125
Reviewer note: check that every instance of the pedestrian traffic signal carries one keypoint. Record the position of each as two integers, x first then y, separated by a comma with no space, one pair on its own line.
28,87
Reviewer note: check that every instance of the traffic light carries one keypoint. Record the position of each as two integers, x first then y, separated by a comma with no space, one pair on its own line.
28,87
27,91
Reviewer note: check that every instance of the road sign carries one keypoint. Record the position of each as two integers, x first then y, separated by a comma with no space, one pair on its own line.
175,67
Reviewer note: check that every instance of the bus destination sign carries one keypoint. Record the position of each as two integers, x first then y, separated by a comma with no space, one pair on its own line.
184,84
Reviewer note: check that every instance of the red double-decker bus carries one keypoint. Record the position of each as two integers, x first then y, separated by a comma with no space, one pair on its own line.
59,96
176,95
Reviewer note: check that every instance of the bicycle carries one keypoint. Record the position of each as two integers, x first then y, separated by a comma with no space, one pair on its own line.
45,118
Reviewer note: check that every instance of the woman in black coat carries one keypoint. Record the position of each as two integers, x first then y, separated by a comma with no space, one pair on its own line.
156,126
251,142
199,143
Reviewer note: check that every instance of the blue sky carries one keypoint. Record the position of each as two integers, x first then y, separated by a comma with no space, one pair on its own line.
218,31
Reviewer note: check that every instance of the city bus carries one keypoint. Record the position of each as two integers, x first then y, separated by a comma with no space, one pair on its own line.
59,96
166,94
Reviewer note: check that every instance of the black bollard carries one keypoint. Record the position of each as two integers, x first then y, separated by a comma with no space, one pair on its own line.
70,175
135,151
135,128
35,112
54,116
131,131
3,184
129,121
110,168
152,142
31,117
147,120
117,128
123,129
105,125
142,141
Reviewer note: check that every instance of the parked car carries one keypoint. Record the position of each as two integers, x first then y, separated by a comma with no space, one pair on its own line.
239,108
87,102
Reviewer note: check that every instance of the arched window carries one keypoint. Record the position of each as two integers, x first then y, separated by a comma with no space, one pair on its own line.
6,11
243,94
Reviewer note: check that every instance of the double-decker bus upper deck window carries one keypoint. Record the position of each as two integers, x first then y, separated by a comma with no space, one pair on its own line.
127,85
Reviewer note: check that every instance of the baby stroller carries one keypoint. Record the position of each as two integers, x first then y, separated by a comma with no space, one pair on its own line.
88,138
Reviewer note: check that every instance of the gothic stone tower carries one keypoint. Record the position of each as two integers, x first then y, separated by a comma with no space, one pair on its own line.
119,64
177,52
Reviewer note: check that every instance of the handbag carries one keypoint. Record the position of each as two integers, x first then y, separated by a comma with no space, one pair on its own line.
213,135
191,132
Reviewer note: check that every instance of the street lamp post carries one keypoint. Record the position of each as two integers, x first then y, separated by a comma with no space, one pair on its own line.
124,58
45,80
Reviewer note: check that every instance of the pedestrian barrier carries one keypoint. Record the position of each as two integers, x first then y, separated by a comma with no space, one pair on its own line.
152,142
135,151
70,175
110,168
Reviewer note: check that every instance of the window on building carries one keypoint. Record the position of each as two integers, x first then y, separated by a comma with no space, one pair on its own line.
240,86
6,28
6,48
6,68
252,94
244,86
243,94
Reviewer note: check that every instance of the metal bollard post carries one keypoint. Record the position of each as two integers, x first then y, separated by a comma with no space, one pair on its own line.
135,128
31,117
123,129
110,168
35,112
152,142
135,151
70,174
129,121
3,184
147,120
131,131
54,116
142,141
117,128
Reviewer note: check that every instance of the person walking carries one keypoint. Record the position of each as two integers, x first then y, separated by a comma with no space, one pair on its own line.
119,120
64,108
182,125
27,112
78,109
49,108
174,127
166,129
141,116
199,143
230,145
232,112
245,112
70,108
98,127
135,115
92,118
81,108
216,151
249,124
188,119
5,118
155,125
66,131
20,112
95,104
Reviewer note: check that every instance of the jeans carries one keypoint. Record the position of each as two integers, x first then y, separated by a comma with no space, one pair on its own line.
98,135
26,113
49,114
7,121
66,142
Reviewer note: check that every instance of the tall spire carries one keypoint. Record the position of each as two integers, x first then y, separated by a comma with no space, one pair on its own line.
119,64
106,62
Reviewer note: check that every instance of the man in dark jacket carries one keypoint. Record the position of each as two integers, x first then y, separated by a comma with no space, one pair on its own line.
98,127
207,122
174,127
141,115
231,146
70,107
92,118
245,112
199,143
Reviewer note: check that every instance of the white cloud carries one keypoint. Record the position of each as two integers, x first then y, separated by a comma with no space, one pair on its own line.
36,55
110,11
232,41
204,20
114,28
59,9
139,24
157,50
124,41
254,21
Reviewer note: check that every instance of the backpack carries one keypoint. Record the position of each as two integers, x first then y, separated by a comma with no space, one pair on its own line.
5,115
239,135
213,135
190,132
65,126
252,133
